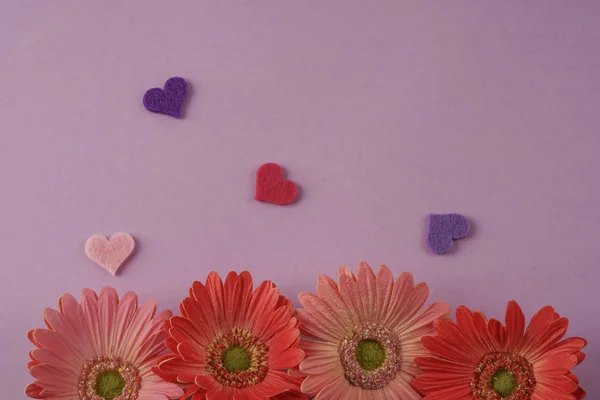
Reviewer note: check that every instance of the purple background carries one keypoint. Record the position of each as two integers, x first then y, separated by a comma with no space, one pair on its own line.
382,111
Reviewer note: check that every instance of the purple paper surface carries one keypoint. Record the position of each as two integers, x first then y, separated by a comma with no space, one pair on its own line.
384,112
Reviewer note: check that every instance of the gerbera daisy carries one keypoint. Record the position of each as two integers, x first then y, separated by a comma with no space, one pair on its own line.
233,343
101,349
363,334
477,359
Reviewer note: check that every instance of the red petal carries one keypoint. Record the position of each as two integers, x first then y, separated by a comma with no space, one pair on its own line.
515,322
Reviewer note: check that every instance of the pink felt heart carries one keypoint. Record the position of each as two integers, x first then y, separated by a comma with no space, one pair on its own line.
111,253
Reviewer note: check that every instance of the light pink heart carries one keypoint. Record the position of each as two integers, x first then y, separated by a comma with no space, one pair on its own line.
111,253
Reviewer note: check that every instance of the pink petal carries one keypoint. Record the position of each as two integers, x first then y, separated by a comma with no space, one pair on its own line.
137,329
384,287
423,319
411,304
324,315
125,315
67,364
313,384
154,386
107,313
55,342
34,391
351,296
152,342
329,364
318,348
89,306
328,291
367,290
400,388
403,288
70,335
339,389
311,325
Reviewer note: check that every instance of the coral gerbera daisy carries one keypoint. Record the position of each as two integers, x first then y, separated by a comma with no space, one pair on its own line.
101,349
233,343
363,334
477,359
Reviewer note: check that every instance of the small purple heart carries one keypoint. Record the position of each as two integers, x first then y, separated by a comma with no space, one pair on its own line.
443,228
168,100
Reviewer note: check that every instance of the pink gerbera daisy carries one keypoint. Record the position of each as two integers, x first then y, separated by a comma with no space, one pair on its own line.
101,349
363,334
233,343
480,359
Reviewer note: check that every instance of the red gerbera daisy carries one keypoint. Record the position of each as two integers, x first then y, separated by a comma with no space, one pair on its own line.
480,359
232,343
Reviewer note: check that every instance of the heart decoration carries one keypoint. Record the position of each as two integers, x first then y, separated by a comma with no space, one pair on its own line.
443,229
111,253
168,100
272,188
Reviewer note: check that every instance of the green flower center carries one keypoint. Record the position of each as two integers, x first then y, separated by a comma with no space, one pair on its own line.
236,358
503,382
109,384
370,354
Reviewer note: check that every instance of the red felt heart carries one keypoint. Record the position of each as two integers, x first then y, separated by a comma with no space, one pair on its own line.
272,188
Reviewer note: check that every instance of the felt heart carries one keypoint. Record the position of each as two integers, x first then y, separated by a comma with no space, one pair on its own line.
443,228
272,188
110,253
168,100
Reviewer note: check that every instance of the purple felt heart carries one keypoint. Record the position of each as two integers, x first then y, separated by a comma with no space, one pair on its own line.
443,228
168,100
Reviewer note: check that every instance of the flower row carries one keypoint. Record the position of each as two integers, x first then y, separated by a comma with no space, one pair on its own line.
366,336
